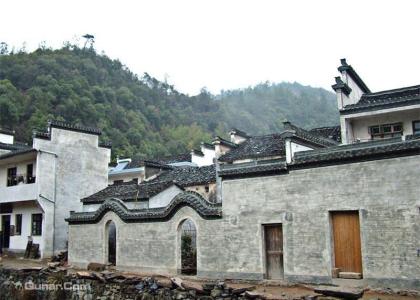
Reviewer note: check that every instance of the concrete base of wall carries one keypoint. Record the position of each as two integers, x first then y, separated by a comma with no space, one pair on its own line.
148,270
313,279
230,275
396,283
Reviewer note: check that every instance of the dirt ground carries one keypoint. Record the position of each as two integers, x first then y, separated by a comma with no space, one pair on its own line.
271,289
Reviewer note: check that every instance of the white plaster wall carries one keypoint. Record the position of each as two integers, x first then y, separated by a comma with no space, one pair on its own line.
22,192
79,170
356,92
237,139
151,246
292,148
7,139
164,198
90,207
26,209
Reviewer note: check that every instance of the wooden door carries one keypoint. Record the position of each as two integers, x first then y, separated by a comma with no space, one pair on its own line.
274,251
347,249
6,230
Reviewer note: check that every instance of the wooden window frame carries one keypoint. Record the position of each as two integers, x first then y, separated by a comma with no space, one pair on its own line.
381,134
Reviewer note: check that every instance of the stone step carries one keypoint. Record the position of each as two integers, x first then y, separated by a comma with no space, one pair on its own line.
349,275
340,292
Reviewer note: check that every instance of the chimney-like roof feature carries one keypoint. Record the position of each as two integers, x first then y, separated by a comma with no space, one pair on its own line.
345,67
340,85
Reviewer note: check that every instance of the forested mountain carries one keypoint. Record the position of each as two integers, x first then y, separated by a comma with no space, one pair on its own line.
142,116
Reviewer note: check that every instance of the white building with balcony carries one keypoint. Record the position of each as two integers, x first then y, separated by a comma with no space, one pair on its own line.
366,115
40,185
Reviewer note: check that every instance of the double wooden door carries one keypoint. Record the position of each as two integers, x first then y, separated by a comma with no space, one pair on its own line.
347,246
274,251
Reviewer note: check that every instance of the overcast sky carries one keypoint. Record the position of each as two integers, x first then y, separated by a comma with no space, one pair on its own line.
231,44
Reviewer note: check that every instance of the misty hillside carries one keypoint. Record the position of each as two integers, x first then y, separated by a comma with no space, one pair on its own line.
142,116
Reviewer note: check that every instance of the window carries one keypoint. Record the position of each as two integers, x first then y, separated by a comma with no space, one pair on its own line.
416,127
18,224
207,189
11,176
36,224
30,174
386,131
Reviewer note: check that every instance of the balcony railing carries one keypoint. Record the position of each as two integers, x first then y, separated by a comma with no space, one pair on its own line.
20,192
20,179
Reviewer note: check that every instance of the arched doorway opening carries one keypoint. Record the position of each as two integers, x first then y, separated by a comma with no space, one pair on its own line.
111,242
188,233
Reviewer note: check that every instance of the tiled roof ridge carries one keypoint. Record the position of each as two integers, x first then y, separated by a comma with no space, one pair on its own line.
325,127
7,131
105,144
239,132
311,136
17,152
391,91
224,141
197,152
207,145
14,146
156,164
74,127
194,200
357,151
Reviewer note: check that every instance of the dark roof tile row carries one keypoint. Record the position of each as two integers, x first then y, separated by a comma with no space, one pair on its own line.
204,208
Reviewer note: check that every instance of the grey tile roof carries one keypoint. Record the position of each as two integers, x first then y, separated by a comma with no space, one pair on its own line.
311,137
239,132
41,135
357,152
385,99
14,147
197,152
124,191
222,141
256,147
17,152
180,176
253,168
208,146
204,208
330,132
7,131
274,144
74,127
164,160
188,176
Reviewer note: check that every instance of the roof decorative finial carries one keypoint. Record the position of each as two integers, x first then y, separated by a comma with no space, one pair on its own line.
287,124
343,62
